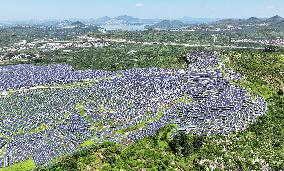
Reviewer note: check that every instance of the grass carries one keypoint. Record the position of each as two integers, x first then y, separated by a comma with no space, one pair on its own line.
183,100
22,166
87,143
42,127
258,89
80,108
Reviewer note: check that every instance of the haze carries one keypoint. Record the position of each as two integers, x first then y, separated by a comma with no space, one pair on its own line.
54,9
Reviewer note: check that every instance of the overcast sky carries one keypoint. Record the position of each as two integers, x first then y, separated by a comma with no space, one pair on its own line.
63,9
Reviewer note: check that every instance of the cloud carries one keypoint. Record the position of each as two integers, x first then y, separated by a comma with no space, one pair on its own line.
139,5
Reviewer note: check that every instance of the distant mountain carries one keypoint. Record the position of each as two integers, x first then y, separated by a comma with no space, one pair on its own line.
63,23
254,19
128,19
230,21
167,25
77,24
156,23
275,18
101,20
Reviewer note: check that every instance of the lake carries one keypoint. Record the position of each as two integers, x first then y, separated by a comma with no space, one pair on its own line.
125,27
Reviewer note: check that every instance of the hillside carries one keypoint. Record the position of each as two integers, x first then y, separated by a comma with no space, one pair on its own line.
128,19
274,19
252,149
167,25
77,24
252,20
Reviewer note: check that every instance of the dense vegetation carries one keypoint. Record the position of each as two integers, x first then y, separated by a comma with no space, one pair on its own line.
116,57
205,33
167,25
11,35
261,146
159,36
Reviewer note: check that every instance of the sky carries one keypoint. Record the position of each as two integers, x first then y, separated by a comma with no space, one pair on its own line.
84,9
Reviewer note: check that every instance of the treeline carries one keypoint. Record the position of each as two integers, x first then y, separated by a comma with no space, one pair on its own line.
118,57
11,35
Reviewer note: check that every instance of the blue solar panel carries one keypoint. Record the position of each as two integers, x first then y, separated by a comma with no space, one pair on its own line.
46,123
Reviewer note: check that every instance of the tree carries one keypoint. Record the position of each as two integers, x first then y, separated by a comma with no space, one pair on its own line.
197,142
181,144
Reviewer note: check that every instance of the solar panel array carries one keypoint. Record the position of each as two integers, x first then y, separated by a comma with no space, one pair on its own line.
43,124
26,76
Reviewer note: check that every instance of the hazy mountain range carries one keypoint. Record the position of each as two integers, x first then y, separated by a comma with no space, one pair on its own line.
120,20
153,23
105,20
175,24
125,19
252,20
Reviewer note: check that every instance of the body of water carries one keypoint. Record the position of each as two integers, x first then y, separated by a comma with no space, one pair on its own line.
125,27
